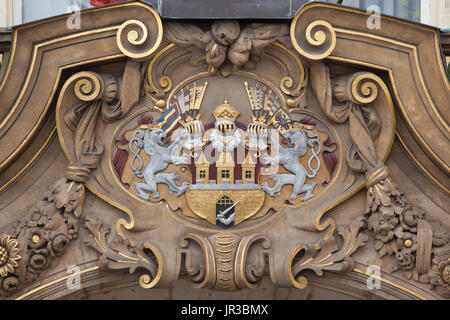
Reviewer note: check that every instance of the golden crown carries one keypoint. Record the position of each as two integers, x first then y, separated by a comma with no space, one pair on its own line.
226,112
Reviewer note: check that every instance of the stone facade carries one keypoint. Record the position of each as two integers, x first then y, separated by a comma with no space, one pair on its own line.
105,129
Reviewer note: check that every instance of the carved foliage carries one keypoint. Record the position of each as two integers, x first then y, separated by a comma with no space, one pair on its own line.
400,228
329,254
45,233
119,253
54,221
100,95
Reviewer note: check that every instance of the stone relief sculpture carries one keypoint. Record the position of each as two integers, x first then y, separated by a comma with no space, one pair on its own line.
224,182
400,228
43,236
288,157
153,143
226,41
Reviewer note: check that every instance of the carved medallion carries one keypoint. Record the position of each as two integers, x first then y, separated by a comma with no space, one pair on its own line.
212,159
218,168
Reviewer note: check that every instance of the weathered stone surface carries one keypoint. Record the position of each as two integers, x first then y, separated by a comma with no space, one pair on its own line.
224,159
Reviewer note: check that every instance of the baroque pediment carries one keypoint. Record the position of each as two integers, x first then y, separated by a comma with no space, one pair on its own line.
228,150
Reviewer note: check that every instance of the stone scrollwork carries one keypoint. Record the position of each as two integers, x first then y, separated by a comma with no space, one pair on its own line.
158,85
249,272
329,254
209,194
400,228
103,95
313,40
119,253
54,221
199,264
224,261
139,40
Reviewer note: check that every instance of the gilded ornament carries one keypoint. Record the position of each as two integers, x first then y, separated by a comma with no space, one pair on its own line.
443,273
318,40
9,255
161,104
139,40
221,189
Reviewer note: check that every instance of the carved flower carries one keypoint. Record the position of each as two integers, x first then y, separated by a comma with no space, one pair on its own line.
410,218
406,241
406,260
443,273
441,236
384,235
9,255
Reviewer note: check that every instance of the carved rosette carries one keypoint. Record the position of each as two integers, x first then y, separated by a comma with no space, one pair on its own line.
9,255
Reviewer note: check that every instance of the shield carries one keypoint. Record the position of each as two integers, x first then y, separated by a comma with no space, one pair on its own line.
225,212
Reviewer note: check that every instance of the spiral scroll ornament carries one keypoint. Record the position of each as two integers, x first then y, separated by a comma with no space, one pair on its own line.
287,83
148,281
364,88
314,41
88,86
139,40
360,88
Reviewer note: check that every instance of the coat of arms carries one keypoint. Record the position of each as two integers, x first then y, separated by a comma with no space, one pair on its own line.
225,171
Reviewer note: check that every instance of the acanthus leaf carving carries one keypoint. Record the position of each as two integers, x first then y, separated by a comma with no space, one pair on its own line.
119,253
400,228
329,254
44,234
54,221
